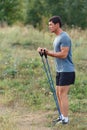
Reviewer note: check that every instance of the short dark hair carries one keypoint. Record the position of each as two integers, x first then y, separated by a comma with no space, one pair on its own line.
56,19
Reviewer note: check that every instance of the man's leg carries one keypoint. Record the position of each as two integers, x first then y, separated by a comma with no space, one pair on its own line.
62,94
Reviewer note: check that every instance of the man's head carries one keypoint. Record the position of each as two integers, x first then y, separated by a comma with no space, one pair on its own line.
55,20
55,23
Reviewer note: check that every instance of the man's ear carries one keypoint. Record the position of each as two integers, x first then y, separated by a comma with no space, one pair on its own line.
58,24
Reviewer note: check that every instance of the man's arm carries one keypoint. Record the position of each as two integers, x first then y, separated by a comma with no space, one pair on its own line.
62,54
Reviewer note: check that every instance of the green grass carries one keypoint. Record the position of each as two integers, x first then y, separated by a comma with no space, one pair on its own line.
23,81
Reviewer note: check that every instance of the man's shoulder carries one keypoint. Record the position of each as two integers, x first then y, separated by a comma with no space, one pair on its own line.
64,34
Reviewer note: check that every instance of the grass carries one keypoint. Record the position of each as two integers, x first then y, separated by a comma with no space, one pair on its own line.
23,81
6,123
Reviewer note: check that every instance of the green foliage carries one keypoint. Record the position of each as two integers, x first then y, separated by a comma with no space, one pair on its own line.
78,9
10,11
37,12
34,13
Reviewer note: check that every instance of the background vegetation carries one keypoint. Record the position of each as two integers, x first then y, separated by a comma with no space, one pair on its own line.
23,82
37,12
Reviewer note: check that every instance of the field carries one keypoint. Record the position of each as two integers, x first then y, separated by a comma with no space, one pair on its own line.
26,102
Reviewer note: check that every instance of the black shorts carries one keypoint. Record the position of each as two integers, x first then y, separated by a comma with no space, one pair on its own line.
65,78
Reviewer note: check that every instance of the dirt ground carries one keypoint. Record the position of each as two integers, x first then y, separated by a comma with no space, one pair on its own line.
23,119
33,121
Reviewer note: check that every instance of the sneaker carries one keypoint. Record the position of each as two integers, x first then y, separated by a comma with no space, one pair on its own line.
58,120
64,122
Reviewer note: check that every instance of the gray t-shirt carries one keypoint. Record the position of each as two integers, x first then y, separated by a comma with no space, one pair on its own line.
66,64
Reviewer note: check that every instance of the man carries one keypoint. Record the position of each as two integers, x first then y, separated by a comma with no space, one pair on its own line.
65,71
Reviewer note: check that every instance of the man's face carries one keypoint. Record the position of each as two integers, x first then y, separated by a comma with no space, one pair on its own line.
53,27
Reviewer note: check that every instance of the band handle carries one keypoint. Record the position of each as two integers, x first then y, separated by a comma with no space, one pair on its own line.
43,53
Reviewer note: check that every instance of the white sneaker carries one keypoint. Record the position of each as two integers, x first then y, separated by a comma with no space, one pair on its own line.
57,121
65,122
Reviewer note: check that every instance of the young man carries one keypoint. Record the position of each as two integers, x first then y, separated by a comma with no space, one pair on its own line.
65,71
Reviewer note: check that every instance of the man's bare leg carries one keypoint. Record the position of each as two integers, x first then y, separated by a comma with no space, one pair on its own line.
62,94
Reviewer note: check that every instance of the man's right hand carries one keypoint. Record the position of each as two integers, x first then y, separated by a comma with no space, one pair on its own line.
39,49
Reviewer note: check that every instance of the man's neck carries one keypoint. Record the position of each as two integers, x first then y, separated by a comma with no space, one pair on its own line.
59,31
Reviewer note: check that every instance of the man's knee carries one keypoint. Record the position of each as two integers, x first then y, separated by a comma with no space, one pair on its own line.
61,92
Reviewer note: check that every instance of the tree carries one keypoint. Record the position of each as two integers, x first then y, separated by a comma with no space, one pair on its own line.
35,11
76,13
10,11
72,12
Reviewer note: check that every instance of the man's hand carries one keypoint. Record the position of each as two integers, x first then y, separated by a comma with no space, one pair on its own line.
39,49
42,51
45,50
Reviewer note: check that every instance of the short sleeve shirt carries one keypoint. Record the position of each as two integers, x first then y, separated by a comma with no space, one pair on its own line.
63,64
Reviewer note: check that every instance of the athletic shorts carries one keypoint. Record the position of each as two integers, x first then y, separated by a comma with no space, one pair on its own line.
65,78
